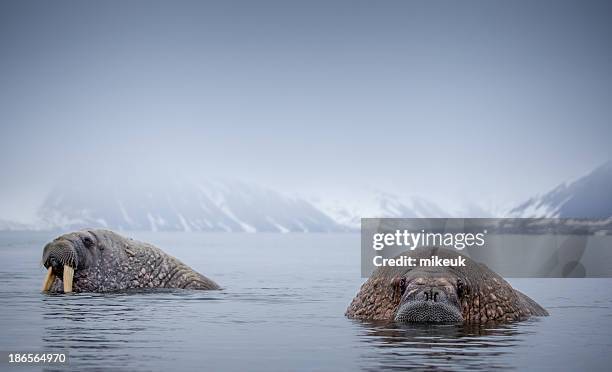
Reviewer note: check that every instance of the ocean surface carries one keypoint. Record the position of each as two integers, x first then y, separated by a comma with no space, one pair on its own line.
281,308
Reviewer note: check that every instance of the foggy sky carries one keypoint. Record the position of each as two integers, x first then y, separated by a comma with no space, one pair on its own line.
454,101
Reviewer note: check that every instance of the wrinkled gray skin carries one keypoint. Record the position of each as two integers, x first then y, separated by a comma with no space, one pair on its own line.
105,261
470,294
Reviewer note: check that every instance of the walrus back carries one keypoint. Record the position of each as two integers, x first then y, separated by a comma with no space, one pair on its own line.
530,304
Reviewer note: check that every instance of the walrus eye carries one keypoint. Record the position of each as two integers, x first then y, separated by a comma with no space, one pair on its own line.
398,287
461,288
88,242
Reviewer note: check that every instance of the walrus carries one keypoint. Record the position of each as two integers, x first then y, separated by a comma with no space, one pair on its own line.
470,294
104,261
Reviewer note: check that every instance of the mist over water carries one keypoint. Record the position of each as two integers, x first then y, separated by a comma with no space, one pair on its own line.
458,103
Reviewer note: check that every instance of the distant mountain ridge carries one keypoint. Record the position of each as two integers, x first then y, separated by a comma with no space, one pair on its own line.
220,206
378,204
234,206
587,197
210,206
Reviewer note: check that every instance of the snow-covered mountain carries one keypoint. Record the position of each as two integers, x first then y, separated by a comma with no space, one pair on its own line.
225,206
587,197
235,206
348,211
211,206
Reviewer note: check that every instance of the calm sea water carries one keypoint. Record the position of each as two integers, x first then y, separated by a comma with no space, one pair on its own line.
282,309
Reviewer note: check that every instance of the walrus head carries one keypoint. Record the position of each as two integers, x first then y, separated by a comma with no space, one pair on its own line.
428,296
470,293
68,253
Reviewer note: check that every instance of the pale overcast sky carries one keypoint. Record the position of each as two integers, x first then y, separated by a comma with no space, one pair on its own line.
453,101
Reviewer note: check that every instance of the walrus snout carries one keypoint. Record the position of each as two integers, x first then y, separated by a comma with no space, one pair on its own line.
428,311
56,265
428,297
60,260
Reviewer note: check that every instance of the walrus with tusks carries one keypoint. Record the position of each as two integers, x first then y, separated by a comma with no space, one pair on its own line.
104,261
469,294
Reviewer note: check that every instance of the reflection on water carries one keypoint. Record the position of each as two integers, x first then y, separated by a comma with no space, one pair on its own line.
106,329
282,309
110,328
474,347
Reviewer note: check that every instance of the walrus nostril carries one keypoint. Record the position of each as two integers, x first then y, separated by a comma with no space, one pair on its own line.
55,263
431,295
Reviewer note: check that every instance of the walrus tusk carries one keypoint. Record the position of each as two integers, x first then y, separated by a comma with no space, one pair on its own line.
49,278
68,274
